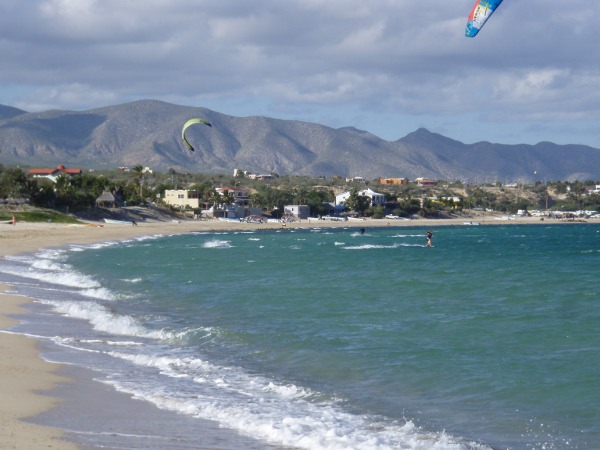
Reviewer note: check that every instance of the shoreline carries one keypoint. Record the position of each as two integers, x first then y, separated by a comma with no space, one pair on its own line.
27,237
28,383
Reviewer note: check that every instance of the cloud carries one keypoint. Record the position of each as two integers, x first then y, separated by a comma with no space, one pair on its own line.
384,66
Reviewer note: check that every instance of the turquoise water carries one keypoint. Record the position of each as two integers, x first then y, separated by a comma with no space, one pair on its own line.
329,338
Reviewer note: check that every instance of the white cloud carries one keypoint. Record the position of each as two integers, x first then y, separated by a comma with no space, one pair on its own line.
388,64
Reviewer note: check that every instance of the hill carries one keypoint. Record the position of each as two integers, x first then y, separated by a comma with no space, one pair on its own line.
148,132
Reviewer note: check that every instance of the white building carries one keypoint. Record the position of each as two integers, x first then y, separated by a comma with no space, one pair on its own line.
298,211
240,196
376,198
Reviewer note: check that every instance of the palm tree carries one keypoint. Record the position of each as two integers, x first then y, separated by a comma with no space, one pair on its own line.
139,172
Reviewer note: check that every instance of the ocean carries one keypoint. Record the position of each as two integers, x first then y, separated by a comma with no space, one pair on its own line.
332,338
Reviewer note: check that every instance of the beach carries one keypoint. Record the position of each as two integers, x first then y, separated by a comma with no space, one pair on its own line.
27,381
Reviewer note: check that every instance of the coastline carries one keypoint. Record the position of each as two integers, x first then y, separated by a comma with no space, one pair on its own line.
27,382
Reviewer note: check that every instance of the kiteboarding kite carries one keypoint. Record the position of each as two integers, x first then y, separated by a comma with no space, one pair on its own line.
187,124
481,12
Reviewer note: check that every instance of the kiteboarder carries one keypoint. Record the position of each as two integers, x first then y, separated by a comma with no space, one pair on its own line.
429,236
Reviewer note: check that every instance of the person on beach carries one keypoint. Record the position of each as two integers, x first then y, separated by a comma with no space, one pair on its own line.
429,236
14,220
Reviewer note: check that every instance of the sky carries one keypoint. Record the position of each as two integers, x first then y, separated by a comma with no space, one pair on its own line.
385,66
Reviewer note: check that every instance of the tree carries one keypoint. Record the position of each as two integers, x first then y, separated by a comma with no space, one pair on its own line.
227,197
138,169
316,202
358,203
65,193
14,183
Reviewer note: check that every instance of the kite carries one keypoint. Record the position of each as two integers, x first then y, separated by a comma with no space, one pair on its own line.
187,124
481,12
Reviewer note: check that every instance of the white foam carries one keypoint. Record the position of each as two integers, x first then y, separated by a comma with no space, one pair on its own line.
102,319
280,414
133,280
217,243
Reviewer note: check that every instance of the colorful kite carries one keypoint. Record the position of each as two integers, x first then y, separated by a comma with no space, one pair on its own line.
481,12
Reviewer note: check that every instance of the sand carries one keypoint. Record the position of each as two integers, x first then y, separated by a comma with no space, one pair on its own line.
26,381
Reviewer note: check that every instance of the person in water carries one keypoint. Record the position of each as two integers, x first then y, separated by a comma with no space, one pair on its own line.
429,236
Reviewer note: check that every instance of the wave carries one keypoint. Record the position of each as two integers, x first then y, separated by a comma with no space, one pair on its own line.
279,413
102,319
217,243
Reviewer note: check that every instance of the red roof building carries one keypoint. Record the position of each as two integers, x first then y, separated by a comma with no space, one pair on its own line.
52,174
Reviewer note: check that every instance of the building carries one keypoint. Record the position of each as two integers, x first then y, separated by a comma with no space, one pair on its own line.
53,174
240,196
356,180
297,211
182,198
393,181
241,173
260,176
376,198
231,211
425,182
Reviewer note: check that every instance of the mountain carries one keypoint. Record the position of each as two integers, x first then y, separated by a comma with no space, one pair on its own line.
7,112
148,132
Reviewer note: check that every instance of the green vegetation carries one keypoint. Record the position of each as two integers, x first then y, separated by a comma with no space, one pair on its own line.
75,194
36,216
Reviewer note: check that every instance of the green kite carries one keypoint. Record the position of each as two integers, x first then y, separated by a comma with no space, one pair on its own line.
187,124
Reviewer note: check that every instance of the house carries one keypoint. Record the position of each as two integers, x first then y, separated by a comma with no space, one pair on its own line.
297,211
595,190
53,174
240,196
393,181
182,198
254,176
425,182
376,198
356,179
231,211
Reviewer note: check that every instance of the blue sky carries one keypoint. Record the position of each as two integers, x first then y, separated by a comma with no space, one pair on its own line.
386,66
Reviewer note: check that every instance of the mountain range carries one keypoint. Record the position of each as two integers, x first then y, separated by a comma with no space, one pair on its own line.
148,132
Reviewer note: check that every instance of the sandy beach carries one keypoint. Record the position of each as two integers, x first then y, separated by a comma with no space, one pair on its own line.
26,381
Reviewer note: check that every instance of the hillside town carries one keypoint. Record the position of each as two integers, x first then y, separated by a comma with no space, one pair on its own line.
259,197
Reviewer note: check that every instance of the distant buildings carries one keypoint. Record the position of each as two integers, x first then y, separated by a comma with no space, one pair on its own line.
376,197
240,196
240,173
355,180
393,181
182,198
425,182
191,199
297,211
53,174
